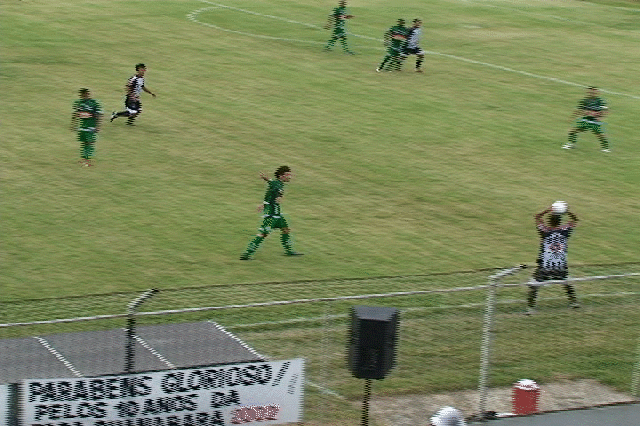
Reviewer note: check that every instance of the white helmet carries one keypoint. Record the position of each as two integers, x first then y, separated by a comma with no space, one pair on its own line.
448,416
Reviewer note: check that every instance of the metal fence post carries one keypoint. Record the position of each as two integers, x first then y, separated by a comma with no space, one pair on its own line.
487,331
635,376
131,328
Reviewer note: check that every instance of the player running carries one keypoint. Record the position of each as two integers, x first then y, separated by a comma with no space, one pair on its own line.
272,217
338,19
412,47
135,86
591,109
86,120
395,39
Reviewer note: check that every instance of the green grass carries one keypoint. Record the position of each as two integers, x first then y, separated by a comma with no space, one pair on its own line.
395,174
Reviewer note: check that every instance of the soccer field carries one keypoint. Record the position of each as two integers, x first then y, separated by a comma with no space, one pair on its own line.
394,173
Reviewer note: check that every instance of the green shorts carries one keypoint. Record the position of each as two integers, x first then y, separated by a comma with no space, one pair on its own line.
584,124
270,223
394,51
87,136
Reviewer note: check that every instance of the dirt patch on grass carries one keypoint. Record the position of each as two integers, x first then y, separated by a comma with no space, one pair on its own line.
411,410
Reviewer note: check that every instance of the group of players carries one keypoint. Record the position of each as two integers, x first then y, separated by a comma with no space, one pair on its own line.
400,41
86,118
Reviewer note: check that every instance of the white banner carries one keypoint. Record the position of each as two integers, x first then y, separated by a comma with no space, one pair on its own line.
4,404
263,392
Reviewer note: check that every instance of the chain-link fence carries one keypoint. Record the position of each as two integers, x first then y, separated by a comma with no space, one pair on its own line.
443,356
582,351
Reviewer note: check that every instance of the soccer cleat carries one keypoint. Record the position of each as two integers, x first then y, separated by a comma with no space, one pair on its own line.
574,305
378,70
568,146
530,311
294,253
349,52
114,115
605,150
419,70
245,256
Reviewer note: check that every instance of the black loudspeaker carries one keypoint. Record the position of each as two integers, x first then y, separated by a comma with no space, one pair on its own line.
372,341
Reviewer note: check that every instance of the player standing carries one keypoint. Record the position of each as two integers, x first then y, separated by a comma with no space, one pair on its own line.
591,109
337,20
395,39
135,86
272,217
413,40
552,258
86,119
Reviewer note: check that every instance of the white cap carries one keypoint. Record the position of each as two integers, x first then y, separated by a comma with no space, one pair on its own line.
448,416
527,384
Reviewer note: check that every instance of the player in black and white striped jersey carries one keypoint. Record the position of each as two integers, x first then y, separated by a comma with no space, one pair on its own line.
135,86
552,257
412,47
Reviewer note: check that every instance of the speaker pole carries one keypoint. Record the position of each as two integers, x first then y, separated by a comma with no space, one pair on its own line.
365,402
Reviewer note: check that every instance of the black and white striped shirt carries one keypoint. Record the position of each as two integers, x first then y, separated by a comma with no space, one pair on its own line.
135,85
413,38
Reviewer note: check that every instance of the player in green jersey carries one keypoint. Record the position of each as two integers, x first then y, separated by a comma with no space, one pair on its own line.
591,109
337,20
395,40
86,120
272,216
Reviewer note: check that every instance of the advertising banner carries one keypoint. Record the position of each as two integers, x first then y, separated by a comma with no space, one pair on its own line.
4,404
262,392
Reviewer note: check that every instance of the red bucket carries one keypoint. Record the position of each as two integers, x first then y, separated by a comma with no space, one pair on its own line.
525,397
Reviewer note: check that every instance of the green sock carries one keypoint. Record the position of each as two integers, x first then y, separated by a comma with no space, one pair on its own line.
331,42
604,143
286,243
343,41
253,245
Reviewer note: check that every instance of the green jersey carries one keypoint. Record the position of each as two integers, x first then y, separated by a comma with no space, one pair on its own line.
396,37
339,19
88,112
275,189
591,104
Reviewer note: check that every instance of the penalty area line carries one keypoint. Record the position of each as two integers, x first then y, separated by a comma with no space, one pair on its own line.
265,358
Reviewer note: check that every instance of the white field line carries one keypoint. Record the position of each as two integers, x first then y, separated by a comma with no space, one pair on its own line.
325,390
59,356
265,358
154,352
193,16
237,339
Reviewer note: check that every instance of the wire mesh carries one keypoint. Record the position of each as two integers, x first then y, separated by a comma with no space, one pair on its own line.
592,350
